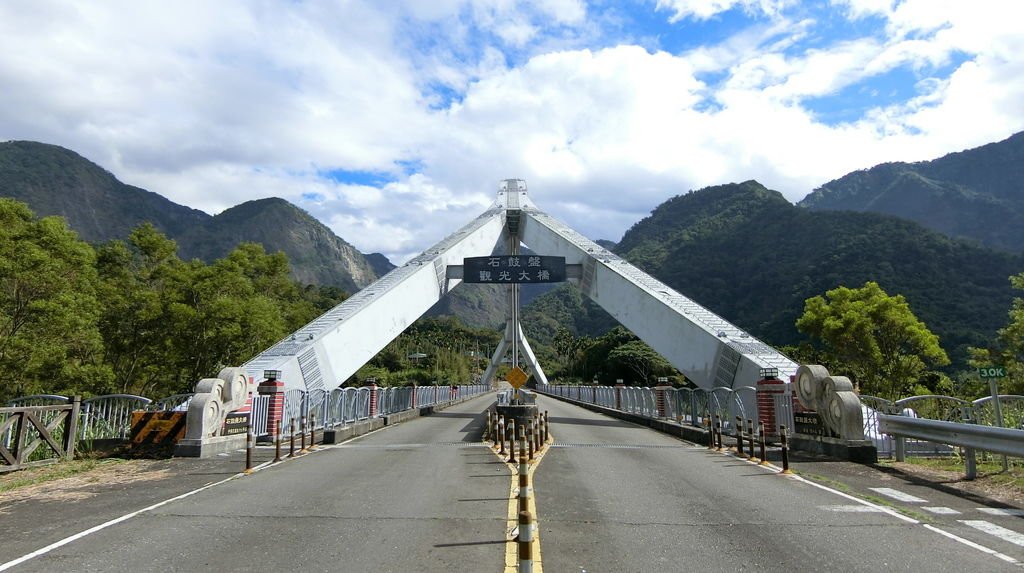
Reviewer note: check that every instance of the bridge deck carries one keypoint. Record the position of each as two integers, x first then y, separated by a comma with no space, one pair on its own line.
427,496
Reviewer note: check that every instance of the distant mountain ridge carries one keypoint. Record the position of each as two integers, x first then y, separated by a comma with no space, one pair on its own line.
53,180
975,194
749,255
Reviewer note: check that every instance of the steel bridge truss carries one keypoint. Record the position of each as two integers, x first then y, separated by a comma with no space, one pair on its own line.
709,350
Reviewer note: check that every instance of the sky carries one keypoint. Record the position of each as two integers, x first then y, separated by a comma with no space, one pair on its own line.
393,121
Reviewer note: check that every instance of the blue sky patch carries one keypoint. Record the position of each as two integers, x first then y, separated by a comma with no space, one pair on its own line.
367,178
893,87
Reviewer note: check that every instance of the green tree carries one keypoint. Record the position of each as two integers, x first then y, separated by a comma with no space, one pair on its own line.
641,360
873,337
49,340
1008,348
137,277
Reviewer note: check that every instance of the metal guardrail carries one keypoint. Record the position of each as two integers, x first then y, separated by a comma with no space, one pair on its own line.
684,405
969,436
109,417
935,407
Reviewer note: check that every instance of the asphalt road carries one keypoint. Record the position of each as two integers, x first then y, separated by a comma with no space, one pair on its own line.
616,497
425,495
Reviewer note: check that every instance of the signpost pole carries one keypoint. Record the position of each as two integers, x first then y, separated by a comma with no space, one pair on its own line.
993,375
993,384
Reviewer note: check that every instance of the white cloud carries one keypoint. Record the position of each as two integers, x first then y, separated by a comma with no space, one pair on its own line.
704,9
212,104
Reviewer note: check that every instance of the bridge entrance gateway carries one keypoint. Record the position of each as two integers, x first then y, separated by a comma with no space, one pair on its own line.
320,356
709,350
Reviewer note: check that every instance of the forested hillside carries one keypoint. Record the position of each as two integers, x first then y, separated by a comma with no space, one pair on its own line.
52,180
976,194
749,255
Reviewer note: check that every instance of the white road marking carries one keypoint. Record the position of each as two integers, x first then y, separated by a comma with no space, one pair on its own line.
996,530
850,508
942,510
1001,511
115,521
972,544
898,495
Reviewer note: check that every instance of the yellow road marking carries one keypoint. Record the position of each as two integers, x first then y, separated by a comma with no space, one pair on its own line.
512,519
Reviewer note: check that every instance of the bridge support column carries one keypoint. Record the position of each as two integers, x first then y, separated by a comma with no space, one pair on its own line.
767,389
660,396
275,410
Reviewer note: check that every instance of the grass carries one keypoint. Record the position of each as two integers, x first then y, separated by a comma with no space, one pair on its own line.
33,476
842,487
990,470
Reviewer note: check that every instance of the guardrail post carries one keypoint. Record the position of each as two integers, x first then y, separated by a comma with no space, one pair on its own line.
718,431
764,454
525,542
302,432
487,427
501,434
522,440
538,431
529,439
785,450
71,428
524,485
248,448
374,405
277,440
312,431
547,435
512,441
739,437
901,448
291,443
971,463
711,433
750,438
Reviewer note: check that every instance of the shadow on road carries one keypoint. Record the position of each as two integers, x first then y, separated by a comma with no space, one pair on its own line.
578,422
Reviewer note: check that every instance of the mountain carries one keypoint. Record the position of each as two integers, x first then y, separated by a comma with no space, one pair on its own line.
317,255
749,255
975,194
379,263
56,181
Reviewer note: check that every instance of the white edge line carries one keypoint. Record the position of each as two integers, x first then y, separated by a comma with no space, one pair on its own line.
116,520
970,543
953,536
877,507
107,524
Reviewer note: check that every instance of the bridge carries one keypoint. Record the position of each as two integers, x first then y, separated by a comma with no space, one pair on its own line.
628,479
